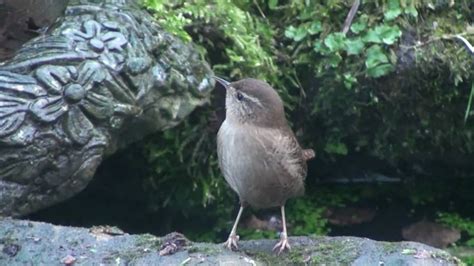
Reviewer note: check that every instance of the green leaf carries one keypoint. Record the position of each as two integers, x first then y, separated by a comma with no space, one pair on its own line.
377,62
349,80
297,34
390,34
290,32
336,148
318,46
354,46
393,11
360,24
411,10
379,71
272,4
315,28
334,59
358,27
383,34
372,36
375,56
335,41
300,34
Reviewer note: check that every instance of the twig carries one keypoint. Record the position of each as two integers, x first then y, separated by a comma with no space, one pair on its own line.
350,16
443,37
259,9
466,43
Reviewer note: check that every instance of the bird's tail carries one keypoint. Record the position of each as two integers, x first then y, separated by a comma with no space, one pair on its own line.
308,154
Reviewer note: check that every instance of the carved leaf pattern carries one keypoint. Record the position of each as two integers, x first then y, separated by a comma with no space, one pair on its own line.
17,83
48,109
13,108
99,104
114,40
12,114
11,123
77,126
55,77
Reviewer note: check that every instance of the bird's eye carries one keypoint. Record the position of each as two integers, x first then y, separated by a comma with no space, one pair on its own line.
240,97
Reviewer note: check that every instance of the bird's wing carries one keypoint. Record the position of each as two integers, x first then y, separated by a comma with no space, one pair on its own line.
287,156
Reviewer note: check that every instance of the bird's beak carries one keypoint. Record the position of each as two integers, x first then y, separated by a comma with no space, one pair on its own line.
222,81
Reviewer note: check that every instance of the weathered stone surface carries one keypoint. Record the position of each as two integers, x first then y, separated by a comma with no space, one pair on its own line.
25,242
102,76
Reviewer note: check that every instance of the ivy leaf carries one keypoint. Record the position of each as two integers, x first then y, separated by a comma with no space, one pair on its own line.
393,11
349,80
377,62
383,34
334,59
372,36
375,56
360,24
389,34
315,28
290,32
297,34
272,4
379,71
300,34
318,46
411,10
335,41
355,46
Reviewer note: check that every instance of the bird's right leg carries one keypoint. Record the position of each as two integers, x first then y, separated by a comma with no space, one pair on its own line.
233,237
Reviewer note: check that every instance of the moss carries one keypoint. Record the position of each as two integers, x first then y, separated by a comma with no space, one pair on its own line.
389,247
336,252
149,241
297,256
445,256
267,259
208,249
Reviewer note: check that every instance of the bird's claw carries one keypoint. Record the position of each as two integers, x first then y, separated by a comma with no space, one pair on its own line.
231,242
282,244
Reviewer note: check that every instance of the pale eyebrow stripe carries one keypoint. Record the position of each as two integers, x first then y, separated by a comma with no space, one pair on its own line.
253,99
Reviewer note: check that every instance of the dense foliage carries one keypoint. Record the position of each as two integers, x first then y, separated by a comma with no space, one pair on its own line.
394,88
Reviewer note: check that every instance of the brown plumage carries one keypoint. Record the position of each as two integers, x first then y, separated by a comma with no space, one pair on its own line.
259,155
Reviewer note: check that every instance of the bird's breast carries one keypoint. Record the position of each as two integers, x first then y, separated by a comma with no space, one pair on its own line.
248,166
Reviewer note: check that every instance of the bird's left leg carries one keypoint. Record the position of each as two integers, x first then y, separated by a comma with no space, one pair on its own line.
283,243
231,242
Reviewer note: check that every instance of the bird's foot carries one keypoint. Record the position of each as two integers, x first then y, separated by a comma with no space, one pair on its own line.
231,242
282,244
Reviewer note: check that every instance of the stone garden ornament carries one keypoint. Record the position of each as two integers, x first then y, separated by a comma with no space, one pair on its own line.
103,75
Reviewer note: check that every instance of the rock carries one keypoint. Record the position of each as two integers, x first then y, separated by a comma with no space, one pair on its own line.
431,233
46,244
103,75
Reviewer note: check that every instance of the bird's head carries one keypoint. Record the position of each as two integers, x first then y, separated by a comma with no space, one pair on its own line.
252,101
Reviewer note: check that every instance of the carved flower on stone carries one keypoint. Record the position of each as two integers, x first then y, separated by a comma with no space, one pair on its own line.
103,40
76,94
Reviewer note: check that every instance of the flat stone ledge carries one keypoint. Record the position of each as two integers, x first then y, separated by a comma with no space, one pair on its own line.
36,243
